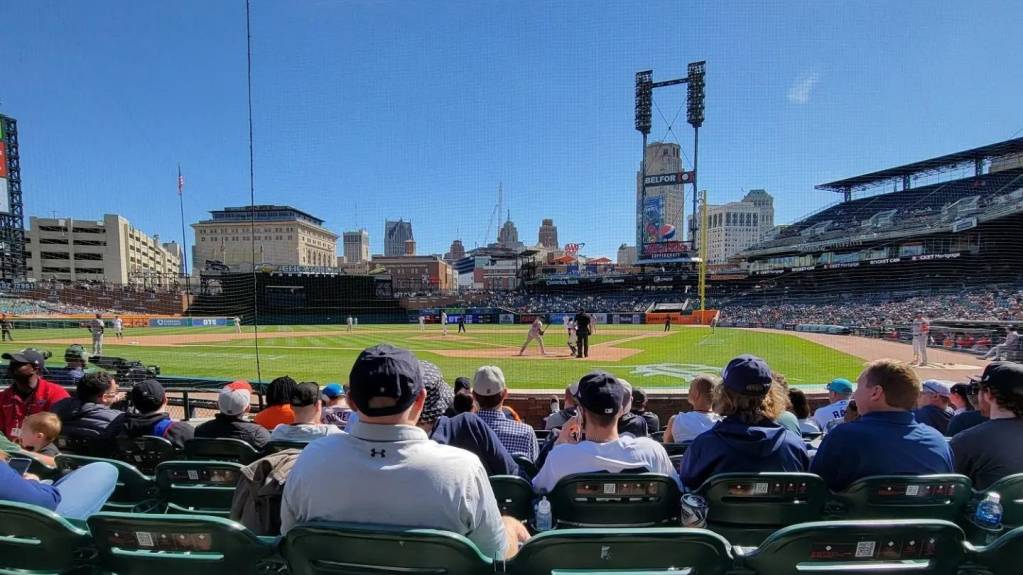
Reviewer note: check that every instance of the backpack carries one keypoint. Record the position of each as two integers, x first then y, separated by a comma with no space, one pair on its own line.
260,490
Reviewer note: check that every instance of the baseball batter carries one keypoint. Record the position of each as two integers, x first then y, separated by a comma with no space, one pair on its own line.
535,332
444,322
921,331
96,328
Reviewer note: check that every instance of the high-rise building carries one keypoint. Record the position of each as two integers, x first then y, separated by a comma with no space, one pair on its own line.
548,234
667,203
356,244
283,236
455,252
735,226
626,255
508,237
395,236
109,250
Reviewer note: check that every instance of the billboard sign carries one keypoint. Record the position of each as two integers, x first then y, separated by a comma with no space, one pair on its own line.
3,159
660,239
673,179
5,197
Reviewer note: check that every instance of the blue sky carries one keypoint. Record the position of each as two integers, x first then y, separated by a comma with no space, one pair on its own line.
369,110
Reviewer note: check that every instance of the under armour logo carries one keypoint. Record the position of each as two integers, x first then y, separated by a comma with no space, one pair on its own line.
381,453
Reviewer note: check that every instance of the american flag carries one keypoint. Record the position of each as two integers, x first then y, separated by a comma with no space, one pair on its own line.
181,181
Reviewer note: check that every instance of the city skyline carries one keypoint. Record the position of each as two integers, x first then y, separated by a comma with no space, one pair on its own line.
796,96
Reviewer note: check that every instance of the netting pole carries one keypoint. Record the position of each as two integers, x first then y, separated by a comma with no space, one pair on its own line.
252,192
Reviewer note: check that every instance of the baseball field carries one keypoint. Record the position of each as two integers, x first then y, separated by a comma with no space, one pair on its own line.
644,355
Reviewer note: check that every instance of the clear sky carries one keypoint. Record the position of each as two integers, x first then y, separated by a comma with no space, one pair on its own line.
368,110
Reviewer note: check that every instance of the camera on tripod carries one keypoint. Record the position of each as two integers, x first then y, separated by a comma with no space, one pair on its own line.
128,372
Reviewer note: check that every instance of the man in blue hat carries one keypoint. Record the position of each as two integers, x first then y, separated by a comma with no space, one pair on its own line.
839,392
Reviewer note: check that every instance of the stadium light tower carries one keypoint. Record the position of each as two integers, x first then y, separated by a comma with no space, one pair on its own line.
694,116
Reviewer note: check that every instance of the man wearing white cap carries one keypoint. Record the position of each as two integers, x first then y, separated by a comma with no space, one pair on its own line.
234,401
933,405
489,391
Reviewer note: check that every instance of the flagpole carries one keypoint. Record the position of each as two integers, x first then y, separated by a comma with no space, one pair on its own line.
184,245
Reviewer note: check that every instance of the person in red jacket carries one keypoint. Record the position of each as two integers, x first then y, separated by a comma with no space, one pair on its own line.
29,393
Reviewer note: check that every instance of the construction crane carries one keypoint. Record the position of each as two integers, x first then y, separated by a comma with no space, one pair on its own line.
495,215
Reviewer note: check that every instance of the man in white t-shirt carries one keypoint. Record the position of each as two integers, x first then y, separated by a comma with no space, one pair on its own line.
839,392
686,425
590,442
391,471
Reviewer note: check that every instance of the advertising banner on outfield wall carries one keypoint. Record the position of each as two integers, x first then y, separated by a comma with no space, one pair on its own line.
629,318
599,317
507,318
170,322
558,318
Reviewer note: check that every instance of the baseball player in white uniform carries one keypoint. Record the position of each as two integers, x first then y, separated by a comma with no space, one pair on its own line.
444,322
118,327
96,329
921,331
350,321
422,323
535,332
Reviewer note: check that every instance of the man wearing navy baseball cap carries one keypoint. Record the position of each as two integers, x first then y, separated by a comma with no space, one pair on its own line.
839,392
747,439
992,450
589,442
407,479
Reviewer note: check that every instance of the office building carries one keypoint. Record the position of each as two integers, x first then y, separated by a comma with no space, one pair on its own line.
395,236
356,246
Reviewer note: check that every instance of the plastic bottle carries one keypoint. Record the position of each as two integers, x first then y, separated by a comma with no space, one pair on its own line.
544,519
989,515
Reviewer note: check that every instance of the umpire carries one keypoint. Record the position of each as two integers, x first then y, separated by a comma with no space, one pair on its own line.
583,329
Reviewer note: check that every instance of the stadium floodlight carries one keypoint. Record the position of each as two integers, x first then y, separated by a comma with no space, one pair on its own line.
644,99
694,95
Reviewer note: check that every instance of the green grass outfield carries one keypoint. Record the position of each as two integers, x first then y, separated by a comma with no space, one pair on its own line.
660,362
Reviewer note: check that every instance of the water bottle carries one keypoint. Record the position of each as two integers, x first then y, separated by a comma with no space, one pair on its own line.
544,519
989,516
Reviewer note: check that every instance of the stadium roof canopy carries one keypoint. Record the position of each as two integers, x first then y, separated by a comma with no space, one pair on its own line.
941,163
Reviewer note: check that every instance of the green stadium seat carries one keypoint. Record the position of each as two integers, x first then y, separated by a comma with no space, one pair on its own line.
657,436
941,496
526,465
145,452
43,471
144,544
278,446
220,449
37,540
514,496
677,448
615,500
322,548
88,446
1011,490
198,487
623,551
133,487
747,507
1001,557
897,546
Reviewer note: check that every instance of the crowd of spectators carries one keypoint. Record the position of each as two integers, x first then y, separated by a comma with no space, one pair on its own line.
629,302
16,306
393,426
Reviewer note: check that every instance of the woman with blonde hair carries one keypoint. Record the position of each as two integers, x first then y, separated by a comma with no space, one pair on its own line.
747,439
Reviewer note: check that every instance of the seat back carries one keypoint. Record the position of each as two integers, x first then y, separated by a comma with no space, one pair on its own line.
514,496
88,446
615,499
899,496
145,452
526,465
39,540
278,446
200,487
625,550
321,548
677,448
861,547
1011,490
140,544
132,486
1002,557
220,449
763,499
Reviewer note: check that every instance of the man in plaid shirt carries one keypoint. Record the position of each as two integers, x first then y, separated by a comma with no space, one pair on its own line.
489,391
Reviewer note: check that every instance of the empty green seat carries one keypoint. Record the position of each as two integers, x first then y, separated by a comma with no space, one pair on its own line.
199,487
903,546
88,446
144,544
38,540
747,507
321,548
133,487
1002,557
278,446
220,449
514,495
902,496
615,500
614,550
145,452
677,448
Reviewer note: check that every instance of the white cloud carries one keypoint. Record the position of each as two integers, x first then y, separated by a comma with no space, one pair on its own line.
799,93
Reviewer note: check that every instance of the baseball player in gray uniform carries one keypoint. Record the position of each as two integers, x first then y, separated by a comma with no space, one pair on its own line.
96,327
921,331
